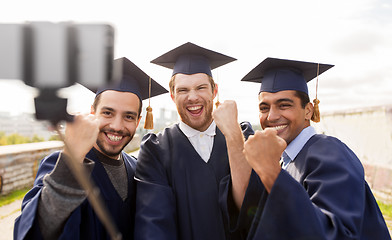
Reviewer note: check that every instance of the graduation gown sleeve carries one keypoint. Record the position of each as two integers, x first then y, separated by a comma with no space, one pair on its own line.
239,221
26,225
155,205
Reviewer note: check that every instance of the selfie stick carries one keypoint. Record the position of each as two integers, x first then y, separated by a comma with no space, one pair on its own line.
50,56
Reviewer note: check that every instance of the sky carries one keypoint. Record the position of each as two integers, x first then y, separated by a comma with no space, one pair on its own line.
353,35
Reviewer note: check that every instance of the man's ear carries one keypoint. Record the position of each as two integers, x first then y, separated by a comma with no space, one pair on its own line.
172,95
92,111
215,90
138,121
309,111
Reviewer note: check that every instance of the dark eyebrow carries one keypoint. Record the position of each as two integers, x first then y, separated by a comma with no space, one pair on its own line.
112,110
277,101
107,109
285,100
263,103
131,113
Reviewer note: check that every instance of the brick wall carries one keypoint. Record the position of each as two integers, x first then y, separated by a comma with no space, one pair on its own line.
19,163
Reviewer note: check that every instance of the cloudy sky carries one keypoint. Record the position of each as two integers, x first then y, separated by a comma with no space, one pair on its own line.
354,35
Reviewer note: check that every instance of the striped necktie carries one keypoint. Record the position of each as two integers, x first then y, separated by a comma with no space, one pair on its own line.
284,160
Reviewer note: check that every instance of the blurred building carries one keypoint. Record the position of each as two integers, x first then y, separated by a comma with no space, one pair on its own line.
162,118
24,124
368,132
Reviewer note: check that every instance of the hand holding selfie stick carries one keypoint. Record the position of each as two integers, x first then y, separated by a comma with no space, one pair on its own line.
93,193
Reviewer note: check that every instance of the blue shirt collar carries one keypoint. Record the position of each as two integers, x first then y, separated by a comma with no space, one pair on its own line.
298,143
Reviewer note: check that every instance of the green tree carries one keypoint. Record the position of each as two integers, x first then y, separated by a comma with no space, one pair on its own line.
3,139
37,138
54,138
17,139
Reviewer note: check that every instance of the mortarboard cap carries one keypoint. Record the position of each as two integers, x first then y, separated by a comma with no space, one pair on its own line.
130,78
191,59
280,74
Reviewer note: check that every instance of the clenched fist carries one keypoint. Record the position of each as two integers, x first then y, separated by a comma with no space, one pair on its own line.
81,134
263,151
226,117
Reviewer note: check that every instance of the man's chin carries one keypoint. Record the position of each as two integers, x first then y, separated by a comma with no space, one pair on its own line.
110,151
111,154
199,126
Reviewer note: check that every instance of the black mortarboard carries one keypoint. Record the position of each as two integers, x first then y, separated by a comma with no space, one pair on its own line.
132,79
280,74
190,59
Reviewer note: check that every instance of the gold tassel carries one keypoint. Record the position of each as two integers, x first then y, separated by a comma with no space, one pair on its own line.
316,110
149,122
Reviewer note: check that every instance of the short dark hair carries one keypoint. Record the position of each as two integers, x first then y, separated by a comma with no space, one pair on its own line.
97,98
303,97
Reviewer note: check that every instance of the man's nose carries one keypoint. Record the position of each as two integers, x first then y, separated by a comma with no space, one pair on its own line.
273,114
193,95
117,123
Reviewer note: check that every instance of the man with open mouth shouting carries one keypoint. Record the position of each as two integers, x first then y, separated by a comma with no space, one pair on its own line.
179,169
56,207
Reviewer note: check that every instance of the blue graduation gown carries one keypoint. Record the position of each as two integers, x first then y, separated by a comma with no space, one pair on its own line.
83,223
321,195
177,191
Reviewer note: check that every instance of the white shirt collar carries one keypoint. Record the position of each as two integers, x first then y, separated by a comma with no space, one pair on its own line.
202,142
191,132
